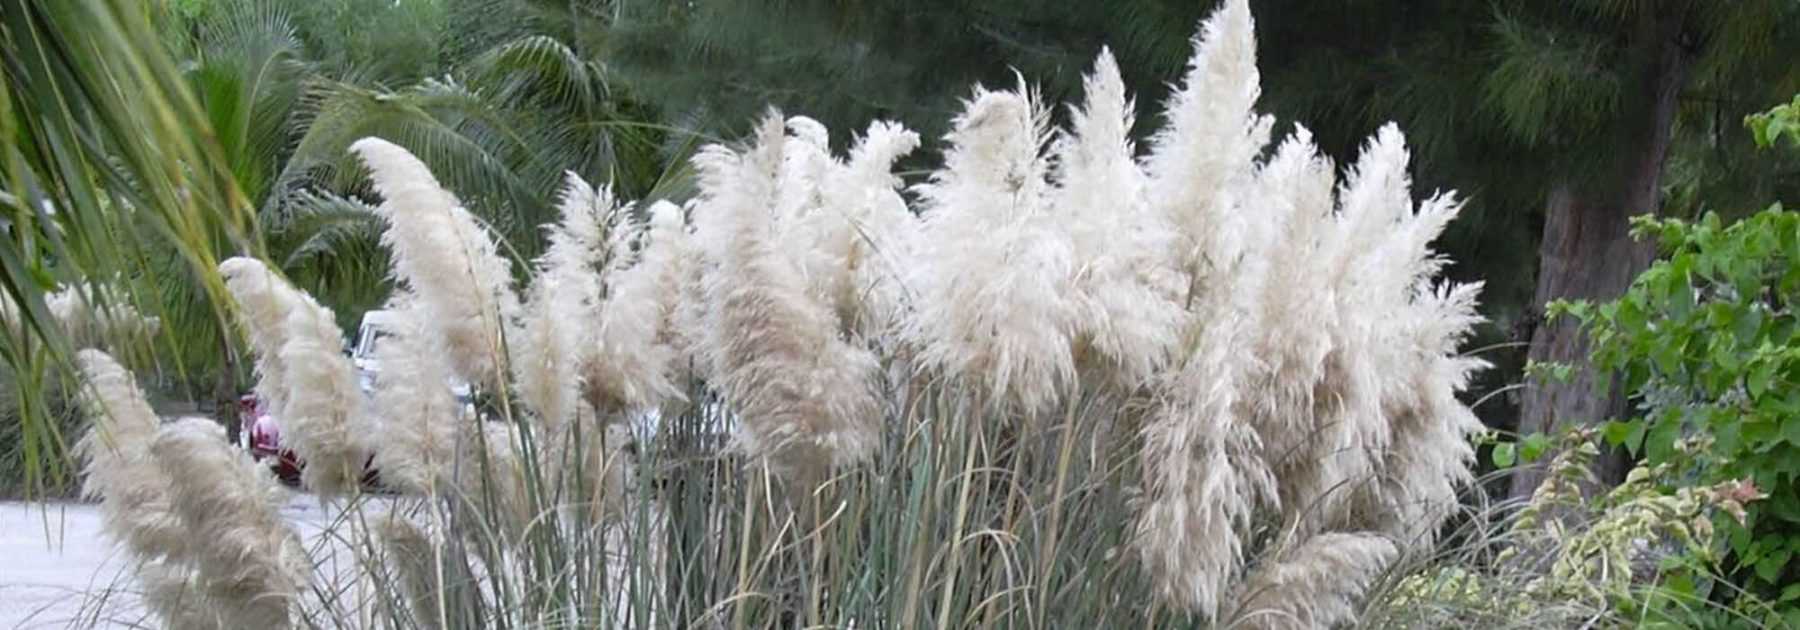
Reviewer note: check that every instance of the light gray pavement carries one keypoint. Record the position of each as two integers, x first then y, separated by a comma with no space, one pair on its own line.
58,570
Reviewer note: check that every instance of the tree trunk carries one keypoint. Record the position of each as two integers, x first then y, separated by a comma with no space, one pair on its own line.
1587,251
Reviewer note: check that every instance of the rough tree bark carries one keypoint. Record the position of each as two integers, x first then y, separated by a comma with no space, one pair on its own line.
1587,251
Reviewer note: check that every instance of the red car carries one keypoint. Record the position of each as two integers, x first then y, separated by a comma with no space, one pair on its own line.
262,433
262,437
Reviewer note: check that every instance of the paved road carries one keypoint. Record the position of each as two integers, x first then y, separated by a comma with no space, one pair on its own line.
58,570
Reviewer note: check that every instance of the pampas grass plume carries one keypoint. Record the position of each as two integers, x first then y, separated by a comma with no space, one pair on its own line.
447,259
631,363
563,297
864,234
1009,327
264,302
419,419
116,464
1125,289
251,561
1314,585
804,396
324,420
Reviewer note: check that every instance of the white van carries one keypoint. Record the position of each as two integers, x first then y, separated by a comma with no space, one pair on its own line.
377,326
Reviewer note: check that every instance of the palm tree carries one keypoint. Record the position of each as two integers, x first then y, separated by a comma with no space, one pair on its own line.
222,129
501,122
113,175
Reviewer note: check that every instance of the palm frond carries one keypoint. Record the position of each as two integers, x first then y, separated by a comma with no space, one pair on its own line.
105,139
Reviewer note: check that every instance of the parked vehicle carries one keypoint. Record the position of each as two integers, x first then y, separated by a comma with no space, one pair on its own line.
262,436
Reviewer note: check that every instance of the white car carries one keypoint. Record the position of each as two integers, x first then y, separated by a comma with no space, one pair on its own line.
377,326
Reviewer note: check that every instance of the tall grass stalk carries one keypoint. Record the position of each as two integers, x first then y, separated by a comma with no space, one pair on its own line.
1072,386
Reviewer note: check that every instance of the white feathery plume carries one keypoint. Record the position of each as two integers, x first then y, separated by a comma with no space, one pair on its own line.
805,162
685,309
176,595
1294,198
1375,198
1289,399
670,253
1313,585
91,322
251,562
696,322
549,352
1202,458
992,274
1430,454
264,301
1427,455
154,517
637,351
116,464
411,554
632,364
800,220
803,395
448,260
1204,472
1124,287
419,417
1205,153
1327,466
87,322
863,232
324,420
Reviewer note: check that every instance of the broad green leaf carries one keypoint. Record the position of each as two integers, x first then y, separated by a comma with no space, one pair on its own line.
1617,432
1503,455
1770,566
1533,446
1760,376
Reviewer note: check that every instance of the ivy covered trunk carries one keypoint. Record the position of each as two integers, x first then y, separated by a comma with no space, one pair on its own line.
1587,251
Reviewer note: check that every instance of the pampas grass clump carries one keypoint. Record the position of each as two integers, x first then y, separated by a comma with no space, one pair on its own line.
201,519
1059,382
803,394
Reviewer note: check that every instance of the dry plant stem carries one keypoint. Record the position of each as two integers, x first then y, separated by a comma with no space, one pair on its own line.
915,573
437,557
815,591
956,532
919,395
743,568
1014,495
1047,555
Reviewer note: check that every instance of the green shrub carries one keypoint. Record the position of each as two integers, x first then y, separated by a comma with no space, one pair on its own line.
1705,341
1570,556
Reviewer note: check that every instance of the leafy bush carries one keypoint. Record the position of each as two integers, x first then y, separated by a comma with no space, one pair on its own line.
1706,342
1571,556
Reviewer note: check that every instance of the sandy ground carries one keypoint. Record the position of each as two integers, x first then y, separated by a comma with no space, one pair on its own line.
58,570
